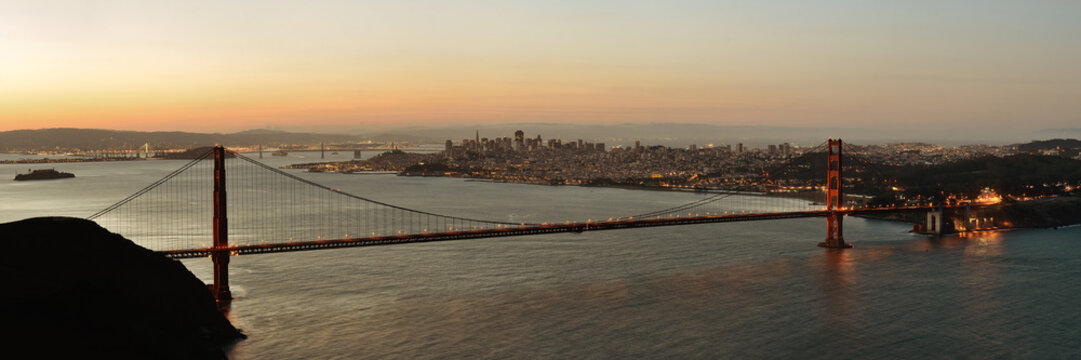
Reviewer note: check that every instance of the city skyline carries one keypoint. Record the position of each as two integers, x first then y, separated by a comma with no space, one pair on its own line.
997,67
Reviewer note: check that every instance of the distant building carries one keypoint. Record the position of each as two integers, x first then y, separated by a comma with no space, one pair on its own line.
519,140
1052,152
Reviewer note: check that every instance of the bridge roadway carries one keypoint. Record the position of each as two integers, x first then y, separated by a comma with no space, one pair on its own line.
520,231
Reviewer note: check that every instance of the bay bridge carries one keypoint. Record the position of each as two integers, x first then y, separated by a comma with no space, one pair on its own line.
259,209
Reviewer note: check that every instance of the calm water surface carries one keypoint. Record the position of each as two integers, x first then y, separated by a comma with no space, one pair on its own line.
733,290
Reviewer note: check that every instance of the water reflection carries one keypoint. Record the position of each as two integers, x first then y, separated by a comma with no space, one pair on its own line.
981,278
982,243
836,283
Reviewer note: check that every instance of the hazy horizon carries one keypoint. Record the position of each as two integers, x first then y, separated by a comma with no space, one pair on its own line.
669,134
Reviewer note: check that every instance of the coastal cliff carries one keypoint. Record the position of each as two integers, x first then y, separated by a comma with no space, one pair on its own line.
1041,213
75,290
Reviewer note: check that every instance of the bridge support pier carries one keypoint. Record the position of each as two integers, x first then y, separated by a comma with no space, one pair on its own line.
834,236
220,288
834,198
968,219
220,256
934,222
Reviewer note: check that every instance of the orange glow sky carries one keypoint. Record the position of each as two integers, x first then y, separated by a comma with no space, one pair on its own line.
317,65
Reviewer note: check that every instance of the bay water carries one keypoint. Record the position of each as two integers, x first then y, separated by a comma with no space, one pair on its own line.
712,291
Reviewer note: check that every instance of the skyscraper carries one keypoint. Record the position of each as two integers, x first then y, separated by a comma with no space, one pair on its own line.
519,140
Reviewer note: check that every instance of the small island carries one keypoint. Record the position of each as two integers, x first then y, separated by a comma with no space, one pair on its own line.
43,174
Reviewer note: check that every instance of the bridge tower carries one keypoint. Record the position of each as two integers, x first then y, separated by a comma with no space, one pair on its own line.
220,255
834,197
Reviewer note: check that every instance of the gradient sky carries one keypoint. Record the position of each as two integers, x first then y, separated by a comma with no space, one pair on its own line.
314,65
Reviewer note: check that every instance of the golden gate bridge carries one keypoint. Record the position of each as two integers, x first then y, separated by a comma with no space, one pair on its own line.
267,210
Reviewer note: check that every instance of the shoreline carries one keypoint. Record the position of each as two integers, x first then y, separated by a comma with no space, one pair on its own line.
622,186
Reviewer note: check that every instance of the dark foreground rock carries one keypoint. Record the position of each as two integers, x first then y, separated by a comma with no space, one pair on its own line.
74,290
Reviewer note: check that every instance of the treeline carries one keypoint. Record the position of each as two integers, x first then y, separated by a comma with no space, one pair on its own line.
1023,174
429,168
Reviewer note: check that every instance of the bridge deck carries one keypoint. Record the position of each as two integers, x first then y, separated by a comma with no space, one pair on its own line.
520,231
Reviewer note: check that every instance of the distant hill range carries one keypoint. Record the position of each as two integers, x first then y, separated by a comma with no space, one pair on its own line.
92,139
1066,145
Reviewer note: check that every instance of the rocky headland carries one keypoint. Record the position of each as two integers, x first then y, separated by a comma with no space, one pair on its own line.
75,290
